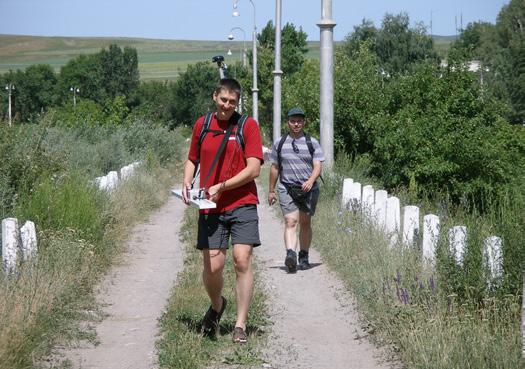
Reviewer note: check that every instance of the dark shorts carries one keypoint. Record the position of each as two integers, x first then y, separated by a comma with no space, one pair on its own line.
288,205
241,224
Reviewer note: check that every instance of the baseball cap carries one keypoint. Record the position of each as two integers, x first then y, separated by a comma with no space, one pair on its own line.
296,111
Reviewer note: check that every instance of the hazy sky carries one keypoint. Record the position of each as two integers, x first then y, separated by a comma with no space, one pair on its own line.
212,19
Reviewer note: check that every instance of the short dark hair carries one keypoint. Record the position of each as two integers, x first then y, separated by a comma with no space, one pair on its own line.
229,84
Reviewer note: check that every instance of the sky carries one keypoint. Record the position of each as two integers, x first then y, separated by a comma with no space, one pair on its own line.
213,20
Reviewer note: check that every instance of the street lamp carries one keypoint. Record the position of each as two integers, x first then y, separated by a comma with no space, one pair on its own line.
9,87
255,90
231,37
75,90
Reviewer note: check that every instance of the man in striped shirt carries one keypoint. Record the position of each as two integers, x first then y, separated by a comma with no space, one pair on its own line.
296,160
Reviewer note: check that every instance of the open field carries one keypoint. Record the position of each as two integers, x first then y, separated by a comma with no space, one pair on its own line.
158,59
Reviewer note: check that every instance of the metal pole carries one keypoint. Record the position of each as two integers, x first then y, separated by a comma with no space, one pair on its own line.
277,73
327,24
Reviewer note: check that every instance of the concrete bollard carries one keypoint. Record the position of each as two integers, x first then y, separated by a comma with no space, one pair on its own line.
367,201
393,220
345,197
410,225
29,241
355,196
10,245
112,181
381,197
493,255
457,239
430,237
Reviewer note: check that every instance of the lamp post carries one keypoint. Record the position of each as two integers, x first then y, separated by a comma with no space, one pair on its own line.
232,37
255,90
9,87
75,90
277,73
327,24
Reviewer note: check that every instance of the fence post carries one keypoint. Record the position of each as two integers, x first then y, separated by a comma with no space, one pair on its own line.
430,237
10,244
493,256
410,225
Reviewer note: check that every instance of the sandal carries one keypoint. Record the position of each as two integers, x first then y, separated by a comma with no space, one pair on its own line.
239,335
210,322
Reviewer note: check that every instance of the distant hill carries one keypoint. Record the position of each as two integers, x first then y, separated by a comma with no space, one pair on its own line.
158,59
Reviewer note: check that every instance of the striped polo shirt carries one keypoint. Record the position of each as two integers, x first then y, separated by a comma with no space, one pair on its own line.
297,167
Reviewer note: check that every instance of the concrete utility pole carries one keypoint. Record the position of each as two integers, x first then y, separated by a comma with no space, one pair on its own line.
277,73
9,87
327,24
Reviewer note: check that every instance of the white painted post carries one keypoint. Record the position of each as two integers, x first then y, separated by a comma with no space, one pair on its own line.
355,196
410,225
457,238
393,219
368,200
493,254
430,237
380,208
10,244
345,198
29,242
126,172
101,182
112,180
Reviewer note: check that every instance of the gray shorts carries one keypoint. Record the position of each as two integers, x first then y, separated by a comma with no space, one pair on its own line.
288,205
241,223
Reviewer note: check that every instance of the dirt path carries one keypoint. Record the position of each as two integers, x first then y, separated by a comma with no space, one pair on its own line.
135,294
314,324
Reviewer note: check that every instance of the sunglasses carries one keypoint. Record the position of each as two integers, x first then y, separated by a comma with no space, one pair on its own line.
294,147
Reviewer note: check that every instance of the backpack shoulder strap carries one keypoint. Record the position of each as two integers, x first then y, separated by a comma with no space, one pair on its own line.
310,145
279,148
240,130
205,127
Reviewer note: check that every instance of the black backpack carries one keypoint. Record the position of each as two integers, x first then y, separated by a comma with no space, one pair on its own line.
236,119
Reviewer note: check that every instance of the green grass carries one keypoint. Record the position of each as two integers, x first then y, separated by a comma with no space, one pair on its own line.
181,345
158,59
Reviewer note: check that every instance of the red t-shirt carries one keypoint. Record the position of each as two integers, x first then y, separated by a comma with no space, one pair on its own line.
231,162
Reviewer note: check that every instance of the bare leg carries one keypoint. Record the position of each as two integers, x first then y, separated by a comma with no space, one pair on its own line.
290,230
242,260
213,262
305,231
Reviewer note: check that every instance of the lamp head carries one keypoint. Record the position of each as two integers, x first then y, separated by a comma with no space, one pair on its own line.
230,36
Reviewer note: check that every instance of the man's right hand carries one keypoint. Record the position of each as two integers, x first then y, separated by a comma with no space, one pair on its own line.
272,198
186,192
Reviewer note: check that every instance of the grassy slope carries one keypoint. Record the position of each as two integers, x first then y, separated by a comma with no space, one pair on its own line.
158,59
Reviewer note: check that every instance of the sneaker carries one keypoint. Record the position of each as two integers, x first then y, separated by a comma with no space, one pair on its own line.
291,261
210,322
303,260
239,335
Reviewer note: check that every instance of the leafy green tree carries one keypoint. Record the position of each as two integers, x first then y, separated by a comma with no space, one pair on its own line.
35,90
193,92
397,46
293,50
83,72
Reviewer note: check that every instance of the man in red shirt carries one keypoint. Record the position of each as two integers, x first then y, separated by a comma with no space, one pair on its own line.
230,184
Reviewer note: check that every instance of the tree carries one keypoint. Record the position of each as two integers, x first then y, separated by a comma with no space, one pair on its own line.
293,50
